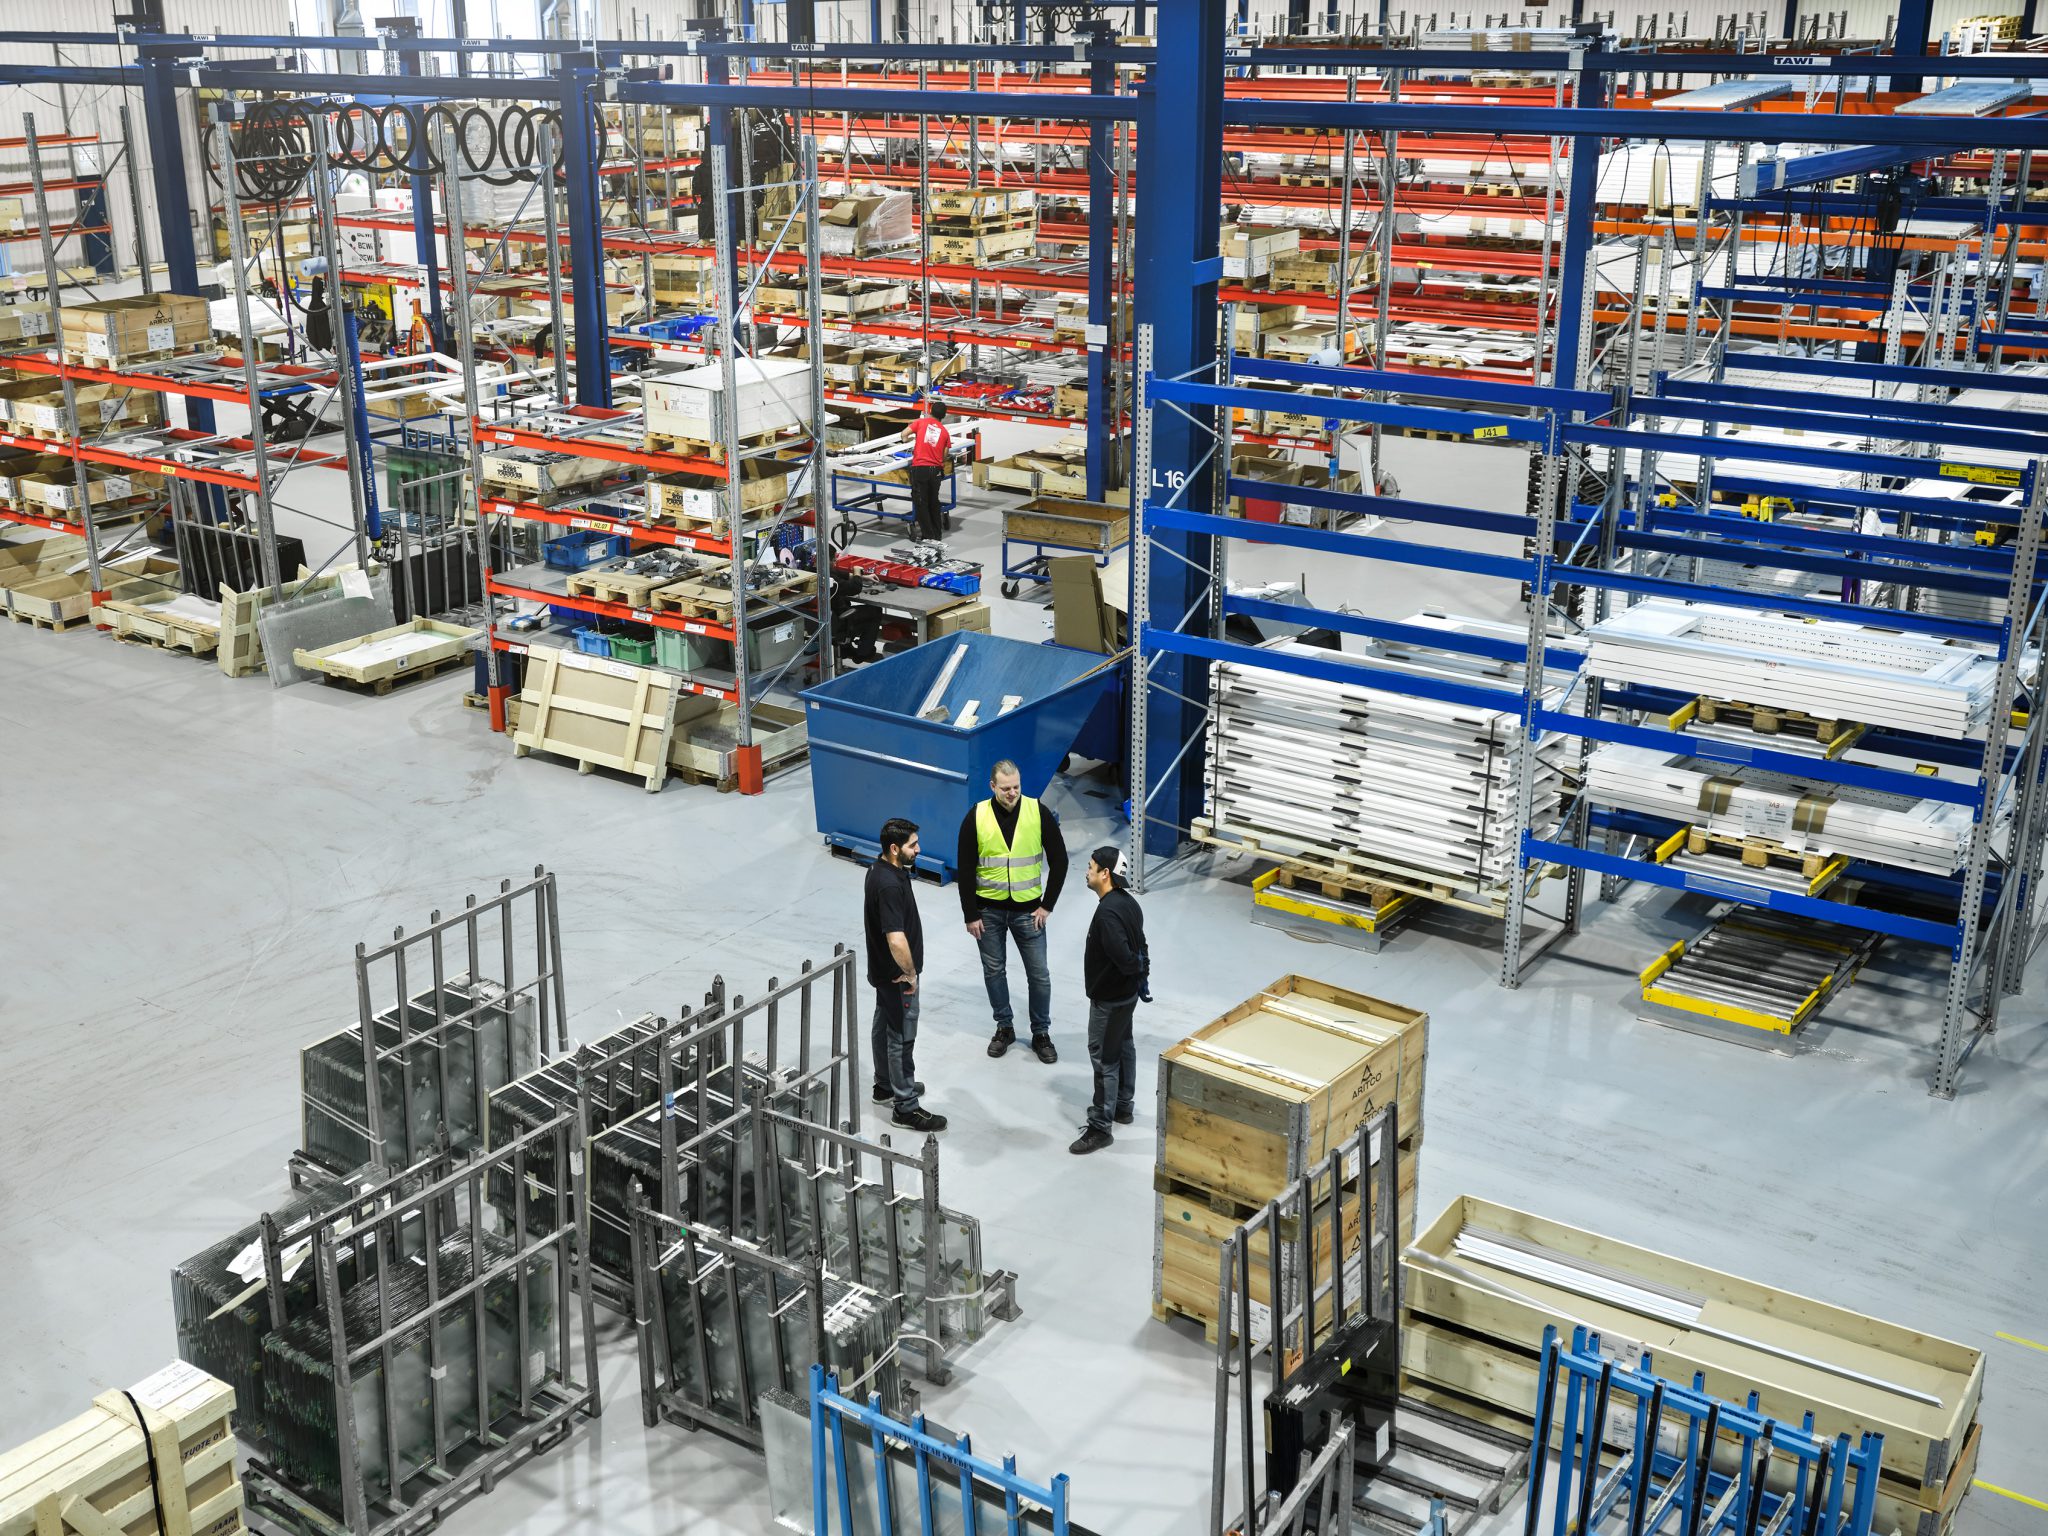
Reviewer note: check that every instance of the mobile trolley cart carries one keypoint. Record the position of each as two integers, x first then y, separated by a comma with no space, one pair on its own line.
1049,525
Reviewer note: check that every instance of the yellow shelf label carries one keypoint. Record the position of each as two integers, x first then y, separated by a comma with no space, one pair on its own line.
1485,432
1980,474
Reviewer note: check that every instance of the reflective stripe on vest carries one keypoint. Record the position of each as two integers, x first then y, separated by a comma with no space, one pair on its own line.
1012,871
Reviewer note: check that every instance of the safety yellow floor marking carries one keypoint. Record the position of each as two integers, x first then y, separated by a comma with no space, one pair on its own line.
2008,1493
2013,1338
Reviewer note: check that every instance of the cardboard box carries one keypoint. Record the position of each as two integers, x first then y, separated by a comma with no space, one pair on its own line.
961,616
1080,617
773,395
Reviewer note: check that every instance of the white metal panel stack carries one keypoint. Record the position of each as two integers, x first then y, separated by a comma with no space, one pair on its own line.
1804,815
1830,669
1356,775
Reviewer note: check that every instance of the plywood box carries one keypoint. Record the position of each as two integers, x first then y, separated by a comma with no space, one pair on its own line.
544,474
102,406
147,325
1248,252
1475,1332
24,322
1252,1101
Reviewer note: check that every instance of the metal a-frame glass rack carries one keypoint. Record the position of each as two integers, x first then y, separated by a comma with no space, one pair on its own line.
1904,496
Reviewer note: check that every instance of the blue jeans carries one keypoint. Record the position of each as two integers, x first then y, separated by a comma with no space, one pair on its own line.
1113,1052
895,1043
1019,925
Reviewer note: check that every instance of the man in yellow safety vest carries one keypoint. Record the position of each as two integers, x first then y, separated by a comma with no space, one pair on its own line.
1012,862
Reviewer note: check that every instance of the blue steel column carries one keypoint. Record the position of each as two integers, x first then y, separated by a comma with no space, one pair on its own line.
1910,41
423,224
1180,202
1591,91
173,206
586,249
1101,248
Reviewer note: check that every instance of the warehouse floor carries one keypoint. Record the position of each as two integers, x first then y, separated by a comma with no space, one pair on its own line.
190,861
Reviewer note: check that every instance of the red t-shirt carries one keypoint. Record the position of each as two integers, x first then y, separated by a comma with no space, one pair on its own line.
929,441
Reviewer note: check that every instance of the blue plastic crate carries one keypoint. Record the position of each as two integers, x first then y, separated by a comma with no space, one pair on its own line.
593,642
960,583
562,616
582,549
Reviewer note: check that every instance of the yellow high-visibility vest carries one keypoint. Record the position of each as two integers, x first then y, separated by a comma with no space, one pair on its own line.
1009,871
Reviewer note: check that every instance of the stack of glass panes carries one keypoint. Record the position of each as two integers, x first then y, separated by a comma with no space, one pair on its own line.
224,1311
302,1397
706,1339
440,1081
623,1081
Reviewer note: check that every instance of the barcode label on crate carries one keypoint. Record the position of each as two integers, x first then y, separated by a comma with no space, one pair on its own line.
163,337
96,345
112,410
119,487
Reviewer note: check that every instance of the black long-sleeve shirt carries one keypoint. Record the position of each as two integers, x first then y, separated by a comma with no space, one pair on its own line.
1114,965
967,858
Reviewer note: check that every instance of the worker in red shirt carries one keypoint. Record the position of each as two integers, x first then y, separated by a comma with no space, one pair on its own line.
930,442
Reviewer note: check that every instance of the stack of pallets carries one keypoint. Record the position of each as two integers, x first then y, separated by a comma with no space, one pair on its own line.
974,226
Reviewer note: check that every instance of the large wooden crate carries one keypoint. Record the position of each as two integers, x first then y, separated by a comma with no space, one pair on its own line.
1472,1340
1252,1101
158,1458
146,326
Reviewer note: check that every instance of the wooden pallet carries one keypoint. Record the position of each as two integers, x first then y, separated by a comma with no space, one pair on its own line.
165,634
1346,868
663,442
42,622
627,587
130,359
1835,734
383,685
1366,891
1166,1312
447,646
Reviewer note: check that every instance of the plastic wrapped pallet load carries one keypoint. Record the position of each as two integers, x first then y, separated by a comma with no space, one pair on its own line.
157,1459
1805,816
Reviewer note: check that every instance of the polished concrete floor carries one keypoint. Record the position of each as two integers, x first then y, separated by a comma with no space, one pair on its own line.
189,861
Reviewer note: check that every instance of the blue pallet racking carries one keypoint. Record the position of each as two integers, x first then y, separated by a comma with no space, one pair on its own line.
1625,544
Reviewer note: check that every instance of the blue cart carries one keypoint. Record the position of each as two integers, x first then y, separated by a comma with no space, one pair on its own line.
872,758
1049,525
878,498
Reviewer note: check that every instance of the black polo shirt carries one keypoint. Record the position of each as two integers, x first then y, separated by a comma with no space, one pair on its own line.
889,905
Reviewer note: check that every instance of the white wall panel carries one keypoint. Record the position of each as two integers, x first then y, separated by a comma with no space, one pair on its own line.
96,109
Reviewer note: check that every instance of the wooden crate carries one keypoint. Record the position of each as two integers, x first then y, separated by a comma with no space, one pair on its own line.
1193,1226
138,329
33,559
981,250
948,203
701,748
1092,526
598,712
164,1463
1250,1102
1477,1335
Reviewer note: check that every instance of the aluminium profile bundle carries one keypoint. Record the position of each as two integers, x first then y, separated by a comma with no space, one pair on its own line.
1831,669
1353,774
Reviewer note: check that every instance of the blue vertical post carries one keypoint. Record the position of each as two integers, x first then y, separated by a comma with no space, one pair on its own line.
820,1510
2027,19
586,249
173,205
1590,91
1910,41
1101,247
423,222
359,424
1180,193
875,24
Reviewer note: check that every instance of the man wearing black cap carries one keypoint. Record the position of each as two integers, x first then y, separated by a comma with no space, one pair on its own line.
1116,973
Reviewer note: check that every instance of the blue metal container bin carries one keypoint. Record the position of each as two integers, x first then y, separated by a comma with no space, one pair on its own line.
872,758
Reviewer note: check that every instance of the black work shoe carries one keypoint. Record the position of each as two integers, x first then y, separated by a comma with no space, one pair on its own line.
1124,1116
1092,1140
886,1095
1002,1041
919,1120
1042,1044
